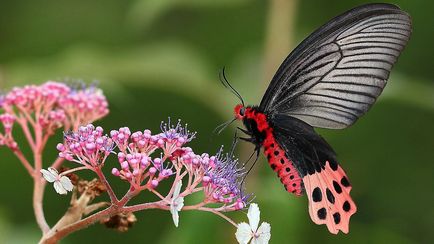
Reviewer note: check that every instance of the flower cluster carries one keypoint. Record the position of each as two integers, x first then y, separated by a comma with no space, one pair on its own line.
84,104
88,146
35,98
53,105
146,159
219,174
135,159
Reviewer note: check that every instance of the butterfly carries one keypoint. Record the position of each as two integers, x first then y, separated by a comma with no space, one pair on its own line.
328,81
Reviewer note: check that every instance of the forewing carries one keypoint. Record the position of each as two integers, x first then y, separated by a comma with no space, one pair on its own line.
325,182
335,75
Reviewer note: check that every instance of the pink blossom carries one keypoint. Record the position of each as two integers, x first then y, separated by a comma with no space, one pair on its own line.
174,136
53,105
88,146
7,121
32,97
84,105
7,139
146,159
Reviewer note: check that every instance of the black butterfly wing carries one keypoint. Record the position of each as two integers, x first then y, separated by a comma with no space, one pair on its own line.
306,148
325,182
336,74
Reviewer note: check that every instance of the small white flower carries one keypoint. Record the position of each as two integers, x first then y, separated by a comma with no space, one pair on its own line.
62,184
245,231
177,203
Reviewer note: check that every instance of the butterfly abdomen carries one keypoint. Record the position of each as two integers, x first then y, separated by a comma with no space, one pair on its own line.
276,156
284,167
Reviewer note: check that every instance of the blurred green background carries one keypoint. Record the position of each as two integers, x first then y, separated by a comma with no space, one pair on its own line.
160,58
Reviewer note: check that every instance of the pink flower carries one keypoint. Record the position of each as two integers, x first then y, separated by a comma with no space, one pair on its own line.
84,105
88,146
53,105
30,98
122,137
7,121
174,136
136,164
7,139
52,120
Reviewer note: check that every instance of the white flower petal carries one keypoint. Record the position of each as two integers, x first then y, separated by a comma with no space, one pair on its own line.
177,189
53,171
59,188
66,183
253,215
178,203
175,215
48,175
244,233
264,234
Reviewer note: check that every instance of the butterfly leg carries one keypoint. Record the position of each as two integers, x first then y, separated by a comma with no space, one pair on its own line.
234,143
245,131
249,139
257,150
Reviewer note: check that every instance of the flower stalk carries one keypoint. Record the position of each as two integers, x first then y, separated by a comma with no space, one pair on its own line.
39,111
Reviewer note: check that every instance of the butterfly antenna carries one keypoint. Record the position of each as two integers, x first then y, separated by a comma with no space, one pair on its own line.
223,126
228,85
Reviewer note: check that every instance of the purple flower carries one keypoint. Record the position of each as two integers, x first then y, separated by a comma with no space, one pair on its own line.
88,146
175,134
223,179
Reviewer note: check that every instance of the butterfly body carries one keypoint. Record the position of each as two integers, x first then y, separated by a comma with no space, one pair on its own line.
258,126
329,81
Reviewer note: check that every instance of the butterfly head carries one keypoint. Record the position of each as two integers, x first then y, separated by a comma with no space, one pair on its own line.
240,111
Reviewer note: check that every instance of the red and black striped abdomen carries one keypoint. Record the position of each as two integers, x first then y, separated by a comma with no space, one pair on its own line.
276,156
